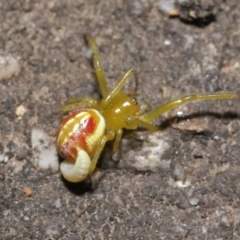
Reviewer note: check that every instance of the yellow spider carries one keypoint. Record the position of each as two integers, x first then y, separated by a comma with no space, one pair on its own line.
89,123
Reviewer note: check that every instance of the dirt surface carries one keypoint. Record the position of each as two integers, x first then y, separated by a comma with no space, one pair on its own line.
196,195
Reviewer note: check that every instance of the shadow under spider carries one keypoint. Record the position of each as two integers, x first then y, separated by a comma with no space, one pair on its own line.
230,115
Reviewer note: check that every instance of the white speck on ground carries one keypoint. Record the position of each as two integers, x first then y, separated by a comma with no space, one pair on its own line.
180,184
58,203
167,42
166,5
20,111
44,150
193,201
9,67
4,158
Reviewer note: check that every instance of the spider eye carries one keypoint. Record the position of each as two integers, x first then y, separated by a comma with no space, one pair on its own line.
132,99
135,100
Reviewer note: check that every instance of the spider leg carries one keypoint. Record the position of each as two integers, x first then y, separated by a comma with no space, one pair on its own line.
133,92
97,66
78,99
136,121
119,86
108,137
76,103
117,140
182,100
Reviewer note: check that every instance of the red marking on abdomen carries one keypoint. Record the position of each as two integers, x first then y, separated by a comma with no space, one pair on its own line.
79,138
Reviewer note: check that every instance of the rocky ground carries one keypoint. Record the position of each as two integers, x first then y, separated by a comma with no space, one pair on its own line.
182,182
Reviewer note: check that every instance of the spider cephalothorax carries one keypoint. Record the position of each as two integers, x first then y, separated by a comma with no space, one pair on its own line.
89,123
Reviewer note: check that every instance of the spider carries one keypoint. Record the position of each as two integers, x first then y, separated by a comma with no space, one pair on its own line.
88,124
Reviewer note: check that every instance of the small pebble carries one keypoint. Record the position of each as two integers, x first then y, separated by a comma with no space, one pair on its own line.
194,201
9,67
166,5
58,203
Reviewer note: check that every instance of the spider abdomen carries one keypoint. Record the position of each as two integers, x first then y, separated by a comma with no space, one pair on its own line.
78,136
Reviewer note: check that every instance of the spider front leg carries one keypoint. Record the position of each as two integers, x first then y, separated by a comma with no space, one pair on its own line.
77,103
131,72
186,99
100,73
97,66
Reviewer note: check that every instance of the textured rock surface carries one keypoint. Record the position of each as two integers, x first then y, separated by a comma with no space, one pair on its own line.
198,195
